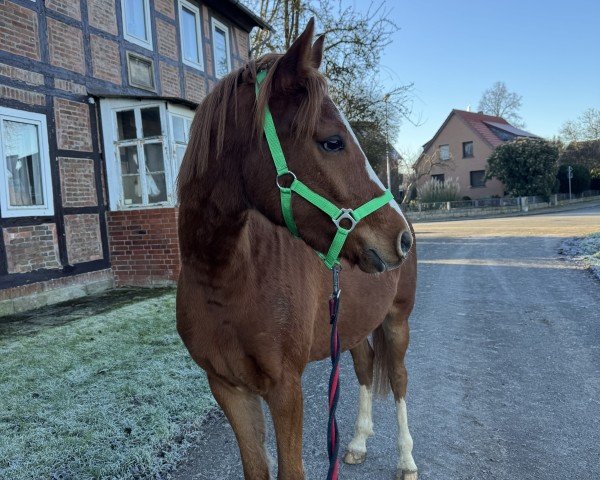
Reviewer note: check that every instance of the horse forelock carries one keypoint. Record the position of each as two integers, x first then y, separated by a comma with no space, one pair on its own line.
209,128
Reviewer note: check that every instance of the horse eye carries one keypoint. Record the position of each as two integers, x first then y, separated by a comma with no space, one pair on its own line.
333,144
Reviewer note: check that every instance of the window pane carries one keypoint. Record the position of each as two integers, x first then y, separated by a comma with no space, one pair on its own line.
179,153
189,35
478,178
221,53
154,157
135,15
467,149
22,160
129,160
151,122
179,129
445,152
157,187
132,192
126,125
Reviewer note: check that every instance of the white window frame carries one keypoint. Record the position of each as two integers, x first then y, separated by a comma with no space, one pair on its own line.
442,157
108,110
214,24
47,209
193,8
185,113
132,38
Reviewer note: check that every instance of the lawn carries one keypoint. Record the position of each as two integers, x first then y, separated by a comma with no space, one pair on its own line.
585,249
113,395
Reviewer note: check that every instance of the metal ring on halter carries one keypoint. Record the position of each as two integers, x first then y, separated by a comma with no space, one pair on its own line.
281,175
346,215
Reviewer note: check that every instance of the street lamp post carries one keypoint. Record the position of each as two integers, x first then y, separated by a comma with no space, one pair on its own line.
387,142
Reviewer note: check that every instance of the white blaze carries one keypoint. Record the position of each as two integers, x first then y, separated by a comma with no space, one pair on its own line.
372,175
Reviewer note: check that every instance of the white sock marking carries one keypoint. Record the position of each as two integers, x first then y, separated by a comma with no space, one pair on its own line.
405,441
364,422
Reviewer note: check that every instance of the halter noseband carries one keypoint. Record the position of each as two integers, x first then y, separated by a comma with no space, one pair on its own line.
336,214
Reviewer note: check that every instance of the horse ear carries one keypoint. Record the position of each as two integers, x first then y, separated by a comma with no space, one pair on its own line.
316,55
296,62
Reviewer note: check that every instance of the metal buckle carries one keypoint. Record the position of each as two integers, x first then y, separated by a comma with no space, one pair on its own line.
346,214
281,175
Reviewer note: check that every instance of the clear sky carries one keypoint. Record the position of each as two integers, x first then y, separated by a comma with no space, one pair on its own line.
546,50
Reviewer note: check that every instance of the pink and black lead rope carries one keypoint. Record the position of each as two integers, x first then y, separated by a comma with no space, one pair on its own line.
334,379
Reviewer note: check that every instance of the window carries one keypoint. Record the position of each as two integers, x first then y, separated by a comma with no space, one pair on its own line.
467,149
140,152
26,182
444,152
477,178
141,72
144,143
191,45
439,177
180,123
136,22
221,49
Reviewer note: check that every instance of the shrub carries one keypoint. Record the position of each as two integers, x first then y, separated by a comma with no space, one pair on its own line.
526,166
433,191
580,181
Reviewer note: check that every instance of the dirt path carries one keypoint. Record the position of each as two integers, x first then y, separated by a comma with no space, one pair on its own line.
504,364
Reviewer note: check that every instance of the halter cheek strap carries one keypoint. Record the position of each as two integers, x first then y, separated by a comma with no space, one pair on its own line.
336,214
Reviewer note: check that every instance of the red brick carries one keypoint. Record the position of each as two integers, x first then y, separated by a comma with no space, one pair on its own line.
167,39
25,76
31,248
166,7
77,182
65,46
169,80
83,238
19,30
73,129
106,62
23,96
71,8
195,87
101,14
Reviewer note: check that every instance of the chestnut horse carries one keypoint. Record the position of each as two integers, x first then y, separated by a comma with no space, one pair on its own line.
252,298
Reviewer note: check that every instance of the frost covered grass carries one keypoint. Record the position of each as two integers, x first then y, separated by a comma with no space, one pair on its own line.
585,249
114,395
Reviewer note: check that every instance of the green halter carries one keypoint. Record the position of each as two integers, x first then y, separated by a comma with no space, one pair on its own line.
337,214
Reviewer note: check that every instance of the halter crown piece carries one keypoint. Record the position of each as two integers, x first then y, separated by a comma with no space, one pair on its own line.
336,214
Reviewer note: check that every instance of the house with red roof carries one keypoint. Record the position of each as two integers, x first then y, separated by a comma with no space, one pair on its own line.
460,149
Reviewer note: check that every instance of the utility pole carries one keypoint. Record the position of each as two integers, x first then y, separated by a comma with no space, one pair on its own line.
387,142
570,175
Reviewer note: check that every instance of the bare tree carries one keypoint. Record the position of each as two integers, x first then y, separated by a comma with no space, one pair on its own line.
420,167
498,101
584,127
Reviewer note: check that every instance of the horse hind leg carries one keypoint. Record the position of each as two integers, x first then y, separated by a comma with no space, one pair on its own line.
362,355
391,341
244,412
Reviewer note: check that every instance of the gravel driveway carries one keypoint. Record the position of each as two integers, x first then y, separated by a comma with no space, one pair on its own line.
504,364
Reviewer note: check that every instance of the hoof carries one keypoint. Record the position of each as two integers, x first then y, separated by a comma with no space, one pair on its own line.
407,475
354,458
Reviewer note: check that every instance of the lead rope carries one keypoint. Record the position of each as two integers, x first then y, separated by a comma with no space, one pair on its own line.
333,445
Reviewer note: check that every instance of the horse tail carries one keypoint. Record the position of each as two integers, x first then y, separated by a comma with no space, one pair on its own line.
381,378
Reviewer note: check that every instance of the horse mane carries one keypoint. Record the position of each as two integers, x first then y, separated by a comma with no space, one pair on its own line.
208,130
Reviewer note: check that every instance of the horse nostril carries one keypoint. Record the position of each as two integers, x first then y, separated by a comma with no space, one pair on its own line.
406,241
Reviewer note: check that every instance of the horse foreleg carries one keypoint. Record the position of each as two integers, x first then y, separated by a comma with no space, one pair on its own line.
285,403
244,412
362,355
395,328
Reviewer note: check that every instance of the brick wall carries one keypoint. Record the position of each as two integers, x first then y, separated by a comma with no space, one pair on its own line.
106,62
65,46
144,247
73,130
25,76
167,39
71,8
102,15
77,182
166,7
169,79
31,248
24,96
195,87
83,238
23,40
